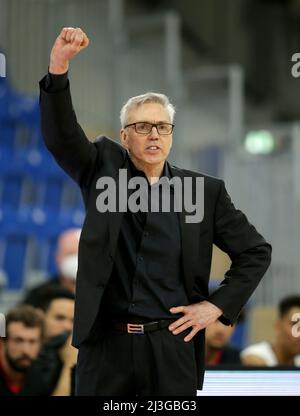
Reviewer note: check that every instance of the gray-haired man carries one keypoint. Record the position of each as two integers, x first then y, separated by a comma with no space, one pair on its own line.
142,298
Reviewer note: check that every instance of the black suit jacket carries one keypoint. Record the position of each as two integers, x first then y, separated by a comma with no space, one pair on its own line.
223,225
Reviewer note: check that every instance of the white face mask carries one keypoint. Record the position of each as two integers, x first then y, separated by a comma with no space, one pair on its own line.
68,266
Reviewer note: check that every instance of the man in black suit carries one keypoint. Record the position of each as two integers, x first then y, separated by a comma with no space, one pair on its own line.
142,300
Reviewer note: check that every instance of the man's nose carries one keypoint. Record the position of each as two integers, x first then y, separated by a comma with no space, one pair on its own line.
68,326
27,349
154,133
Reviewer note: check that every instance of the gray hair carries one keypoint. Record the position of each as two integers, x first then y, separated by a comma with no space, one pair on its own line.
149,97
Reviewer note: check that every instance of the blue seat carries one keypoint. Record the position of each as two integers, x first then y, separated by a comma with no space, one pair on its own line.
6,160
45,225
8,219
8,134
19,119
28,239
47,244
11,188
26,137
48,178
37,199
72,198
15,247
51,192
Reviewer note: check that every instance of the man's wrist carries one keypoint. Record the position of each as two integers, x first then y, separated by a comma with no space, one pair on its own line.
56,68
68,365
217,309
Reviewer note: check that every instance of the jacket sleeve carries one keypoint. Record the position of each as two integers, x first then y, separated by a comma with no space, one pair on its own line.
63,136
249,252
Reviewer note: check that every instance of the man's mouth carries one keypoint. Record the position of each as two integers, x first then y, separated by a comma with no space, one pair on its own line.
152,148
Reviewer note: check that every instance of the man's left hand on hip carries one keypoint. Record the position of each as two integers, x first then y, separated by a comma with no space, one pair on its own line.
197,315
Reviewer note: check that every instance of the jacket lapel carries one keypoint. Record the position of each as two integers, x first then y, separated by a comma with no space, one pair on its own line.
115,218
189,240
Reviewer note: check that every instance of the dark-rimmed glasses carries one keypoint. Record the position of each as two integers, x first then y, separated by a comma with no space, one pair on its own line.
146,128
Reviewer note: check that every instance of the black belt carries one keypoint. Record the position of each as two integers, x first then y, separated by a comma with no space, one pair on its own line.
142,328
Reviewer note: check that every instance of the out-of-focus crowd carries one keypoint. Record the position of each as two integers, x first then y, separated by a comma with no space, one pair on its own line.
36,355
37,358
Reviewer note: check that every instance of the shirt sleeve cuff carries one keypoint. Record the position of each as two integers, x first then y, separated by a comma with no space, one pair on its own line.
55,83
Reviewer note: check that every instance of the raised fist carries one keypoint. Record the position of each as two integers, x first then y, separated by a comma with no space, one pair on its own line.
67,45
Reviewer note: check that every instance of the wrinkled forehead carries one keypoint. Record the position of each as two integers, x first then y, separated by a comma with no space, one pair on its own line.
149,111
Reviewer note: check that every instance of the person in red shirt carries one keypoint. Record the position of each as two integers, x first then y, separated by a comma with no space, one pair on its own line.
18,352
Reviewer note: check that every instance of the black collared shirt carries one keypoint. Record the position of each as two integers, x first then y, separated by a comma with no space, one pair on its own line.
147,278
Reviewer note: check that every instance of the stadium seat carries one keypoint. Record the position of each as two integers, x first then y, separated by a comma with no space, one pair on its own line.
16,249
11,189
37,199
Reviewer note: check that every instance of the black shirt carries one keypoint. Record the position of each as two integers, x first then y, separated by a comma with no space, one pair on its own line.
147,278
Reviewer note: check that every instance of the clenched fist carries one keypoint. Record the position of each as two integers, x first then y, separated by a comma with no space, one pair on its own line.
67,45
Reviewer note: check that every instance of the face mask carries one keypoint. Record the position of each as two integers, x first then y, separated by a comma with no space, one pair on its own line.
69,265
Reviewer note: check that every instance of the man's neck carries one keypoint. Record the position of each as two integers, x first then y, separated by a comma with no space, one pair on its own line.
152,172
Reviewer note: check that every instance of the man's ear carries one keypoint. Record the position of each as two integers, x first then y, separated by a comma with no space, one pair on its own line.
123,138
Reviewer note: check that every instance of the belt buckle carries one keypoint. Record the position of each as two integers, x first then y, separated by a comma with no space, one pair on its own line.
135,328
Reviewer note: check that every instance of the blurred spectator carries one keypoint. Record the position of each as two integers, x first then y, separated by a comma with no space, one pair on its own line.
285,350
217,348
67,263
18,353
57,304
58,357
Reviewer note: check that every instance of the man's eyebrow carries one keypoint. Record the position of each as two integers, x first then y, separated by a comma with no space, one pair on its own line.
17,338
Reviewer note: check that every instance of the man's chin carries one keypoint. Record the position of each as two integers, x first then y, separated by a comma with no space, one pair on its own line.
21,366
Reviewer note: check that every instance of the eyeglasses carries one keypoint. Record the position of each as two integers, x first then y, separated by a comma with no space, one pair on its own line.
146,128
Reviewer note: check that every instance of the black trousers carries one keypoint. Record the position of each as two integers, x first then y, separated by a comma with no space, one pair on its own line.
122,364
